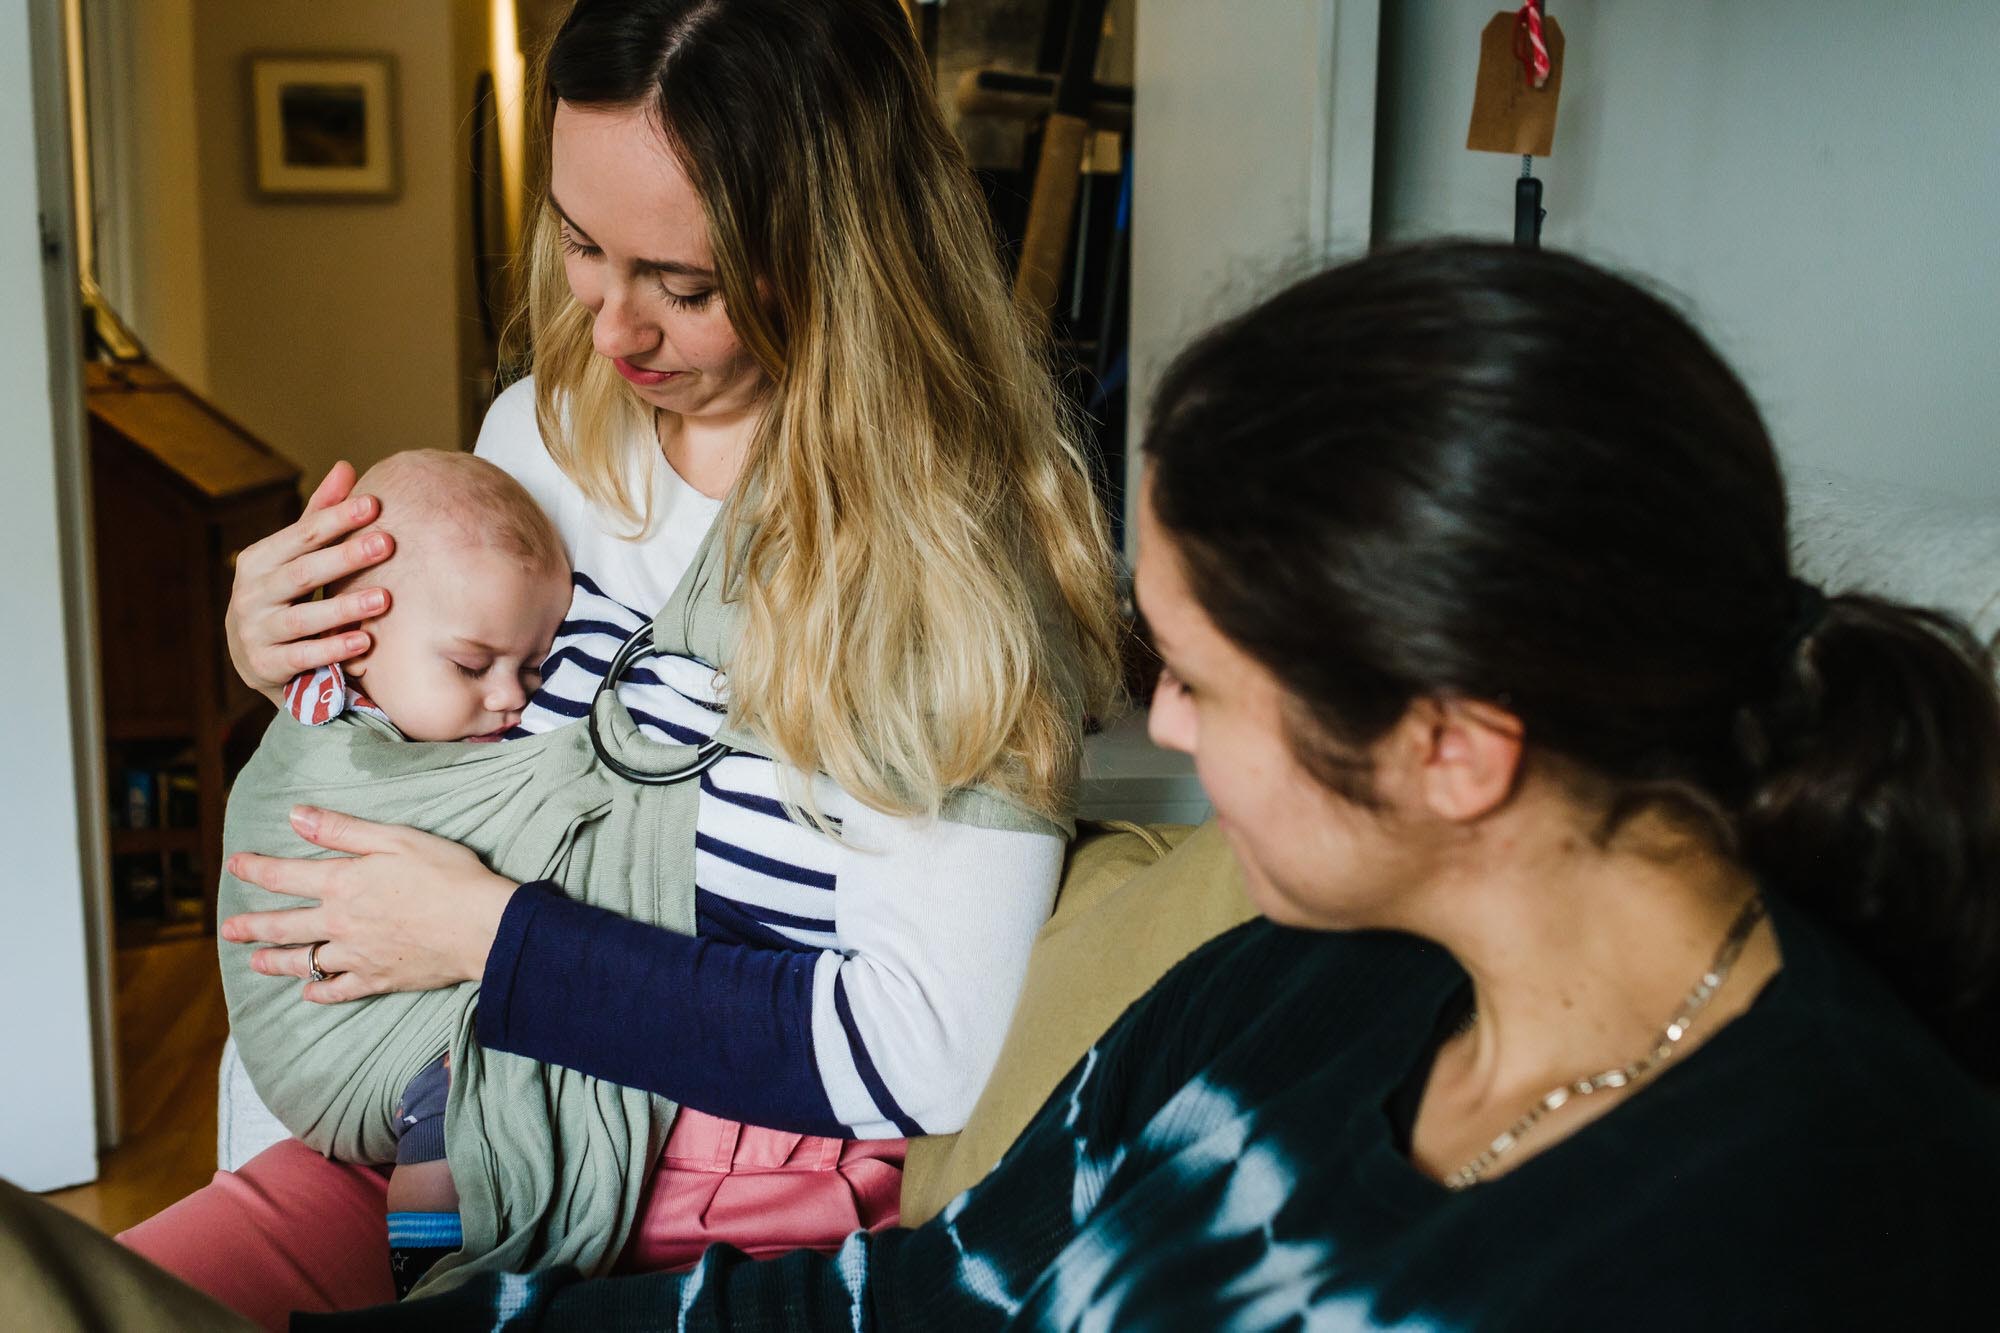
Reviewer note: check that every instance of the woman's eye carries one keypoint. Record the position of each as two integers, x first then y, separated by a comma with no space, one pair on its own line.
697,301
576,247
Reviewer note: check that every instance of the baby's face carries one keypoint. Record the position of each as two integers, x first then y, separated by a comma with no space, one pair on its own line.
459,650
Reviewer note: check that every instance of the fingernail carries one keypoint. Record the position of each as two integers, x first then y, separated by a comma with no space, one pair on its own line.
229,930
305,819
376,545
373,602
359,509
354,644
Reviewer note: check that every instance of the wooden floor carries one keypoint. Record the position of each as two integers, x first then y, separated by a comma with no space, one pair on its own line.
171,1024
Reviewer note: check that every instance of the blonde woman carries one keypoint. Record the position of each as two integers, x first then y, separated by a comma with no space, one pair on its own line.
763,295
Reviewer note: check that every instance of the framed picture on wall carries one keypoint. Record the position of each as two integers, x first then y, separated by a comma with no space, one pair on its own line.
323,126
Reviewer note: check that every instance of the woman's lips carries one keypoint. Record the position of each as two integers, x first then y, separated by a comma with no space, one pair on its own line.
641,376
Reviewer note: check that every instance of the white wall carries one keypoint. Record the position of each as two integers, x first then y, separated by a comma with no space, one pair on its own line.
48,1129
1820,181
1253,143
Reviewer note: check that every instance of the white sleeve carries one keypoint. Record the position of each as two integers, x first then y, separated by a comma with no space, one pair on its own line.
936,921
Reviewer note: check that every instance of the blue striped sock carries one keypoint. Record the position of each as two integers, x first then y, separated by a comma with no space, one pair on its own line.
426,1231
417,1241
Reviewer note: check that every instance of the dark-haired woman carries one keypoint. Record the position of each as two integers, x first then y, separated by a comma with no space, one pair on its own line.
1632,907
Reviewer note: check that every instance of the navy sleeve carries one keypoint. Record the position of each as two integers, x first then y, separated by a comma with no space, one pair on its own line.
723,1028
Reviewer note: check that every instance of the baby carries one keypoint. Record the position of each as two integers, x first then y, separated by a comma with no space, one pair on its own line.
478,587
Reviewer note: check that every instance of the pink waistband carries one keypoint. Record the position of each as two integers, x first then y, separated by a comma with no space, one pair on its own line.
761,1190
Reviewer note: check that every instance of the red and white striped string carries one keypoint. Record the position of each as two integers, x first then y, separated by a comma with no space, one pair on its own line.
1530,46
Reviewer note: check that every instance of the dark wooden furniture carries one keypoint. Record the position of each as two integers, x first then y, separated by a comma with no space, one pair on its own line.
177,491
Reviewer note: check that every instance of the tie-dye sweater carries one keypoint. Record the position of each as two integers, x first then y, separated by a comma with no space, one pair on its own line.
1231,1156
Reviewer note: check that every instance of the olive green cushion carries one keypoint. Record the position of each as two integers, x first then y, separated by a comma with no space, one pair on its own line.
1134,901
58,1275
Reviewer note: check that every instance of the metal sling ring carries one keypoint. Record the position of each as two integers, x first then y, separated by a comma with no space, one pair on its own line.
706,756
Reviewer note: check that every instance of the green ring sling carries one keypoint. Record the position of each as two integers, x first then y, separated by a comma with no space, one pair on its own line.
549,1163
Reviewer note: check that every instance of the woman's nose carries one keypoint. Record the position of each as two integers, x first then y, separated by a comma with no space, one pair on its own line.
620,330
1170,722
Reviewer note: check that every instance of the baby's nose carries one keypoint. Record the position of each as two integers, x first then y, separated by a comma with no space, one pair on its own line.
507,697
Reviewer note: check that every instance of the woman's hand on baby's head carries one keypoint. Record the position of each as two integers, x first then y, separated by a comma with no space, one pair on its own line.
404,911
274,628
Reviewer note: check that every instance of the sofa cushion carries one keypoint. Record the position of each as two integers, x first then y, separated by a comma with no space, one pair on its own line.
1134,901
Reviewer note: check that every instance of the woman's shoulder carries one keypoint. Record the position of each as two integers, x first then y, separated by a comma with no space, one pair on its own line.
1809,1187
511,438
1854,1038
1842,1134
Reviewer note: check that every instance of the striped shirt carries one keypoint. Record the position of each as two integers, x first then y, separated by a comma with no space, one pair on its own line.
857,987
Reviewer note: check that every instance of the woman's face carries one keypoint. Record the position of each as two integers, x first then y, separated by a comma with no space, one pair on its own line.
636,251
1309,857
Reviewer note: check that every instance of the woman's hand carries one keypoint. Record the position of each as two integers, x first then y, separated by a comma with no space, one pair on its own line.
274,629
406,911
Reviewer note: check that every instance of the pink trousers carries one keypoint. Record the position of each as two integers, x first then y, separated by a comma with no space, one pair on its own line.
294,1231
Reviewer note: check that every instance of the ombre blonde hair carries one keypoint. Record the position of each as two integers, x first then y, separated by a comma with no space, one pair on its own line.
925,582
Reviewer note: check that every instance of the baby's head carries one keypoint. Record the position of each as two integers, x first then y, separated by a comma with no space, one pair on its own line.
478,586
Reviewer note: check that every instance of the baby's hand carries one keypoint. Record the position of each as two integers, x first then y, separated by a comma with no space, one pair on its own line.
275,629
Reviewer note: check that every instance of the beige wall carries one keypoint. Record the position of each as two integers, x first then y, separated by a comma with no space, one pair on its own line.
333,329
1253,163
167,308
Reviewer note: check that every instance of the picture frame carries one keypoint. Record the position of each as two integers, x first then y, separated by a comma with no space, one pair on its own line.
323,126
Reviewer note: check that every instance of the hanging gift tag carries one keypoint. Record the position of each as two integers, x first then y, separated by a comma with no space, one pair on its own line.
1509,115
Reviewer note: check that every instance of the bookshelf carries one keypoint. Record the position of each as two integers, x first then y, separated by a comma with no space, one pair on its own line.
177,490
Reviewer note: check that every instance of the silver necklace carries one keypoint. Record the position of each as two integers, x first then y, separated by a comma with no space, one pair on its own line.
1658,1053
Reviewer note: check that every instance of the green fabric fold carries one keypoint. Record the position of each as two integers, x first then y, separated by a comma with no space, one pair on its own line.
549,1163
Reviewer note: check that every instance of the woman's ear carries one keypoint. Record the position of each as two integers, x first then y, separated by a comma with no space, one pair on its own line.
1462,758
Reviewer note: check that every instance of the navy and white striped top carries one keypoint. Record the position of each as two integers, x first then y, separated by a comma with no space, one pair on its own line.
857,987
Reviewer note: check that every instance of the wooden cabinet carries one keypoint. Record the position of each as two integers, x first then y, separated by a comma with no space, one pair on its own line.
177,490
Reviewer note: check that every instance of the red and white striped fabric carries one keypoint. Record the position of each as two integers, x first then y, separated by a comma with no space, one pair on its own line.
317,697
1530,46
